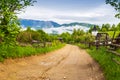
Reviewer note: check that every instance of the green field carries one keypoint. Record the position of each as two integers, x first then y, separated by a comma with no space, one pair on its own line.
112,32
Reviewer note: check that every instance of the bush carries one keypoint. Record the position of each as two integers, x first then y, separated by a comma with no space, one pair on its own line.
18,51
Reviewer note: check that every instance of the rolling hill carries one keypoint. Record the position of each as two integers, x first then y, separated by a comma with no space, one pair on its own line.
53,27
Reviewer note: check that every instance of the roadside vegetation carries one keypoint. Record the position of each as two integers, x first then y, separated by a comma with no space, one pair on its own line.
15,42
110,68
29,42
107,60
111,33
19,51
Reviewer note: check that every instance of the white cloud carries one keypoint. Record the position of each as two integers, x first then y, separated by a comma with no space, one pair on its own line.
63,29
98,15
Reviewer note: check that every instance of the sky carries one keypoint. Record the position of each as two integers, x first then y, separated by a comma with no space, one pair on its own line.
67,11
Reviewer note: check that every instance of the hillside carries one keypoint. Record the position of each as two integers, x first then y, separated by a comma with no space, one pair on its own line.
36,24
54,27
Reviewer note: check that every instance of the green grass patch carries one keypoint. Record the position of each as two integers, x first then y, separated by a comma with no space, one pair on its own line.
18,51
83,46
112,32
110,68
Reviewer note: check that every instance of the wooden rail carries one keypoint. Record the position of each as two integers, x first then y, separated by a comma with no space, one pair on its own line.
116,45
116,61
114,52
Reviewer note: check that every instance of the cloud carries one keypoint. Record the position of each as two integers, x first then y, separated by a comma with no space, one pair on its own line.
98,15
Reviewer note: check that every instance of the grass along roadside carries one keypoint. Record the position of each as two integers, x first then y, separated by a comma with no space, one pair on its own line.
111,33
18,51
110,68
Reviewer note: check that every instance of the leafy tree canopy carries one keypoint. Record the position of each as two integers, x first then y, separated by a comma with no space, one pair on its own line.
9,25
116,5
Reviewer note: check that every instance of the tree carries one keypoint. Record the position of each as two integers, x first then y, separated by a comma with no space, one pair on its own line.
28,35
77,35
118,27
113,28
116,5
91,28
66,37
105,27
44,37
9,24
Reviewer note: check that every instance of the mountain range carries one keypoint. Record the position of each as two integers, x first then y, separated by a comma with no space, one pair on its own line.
53,27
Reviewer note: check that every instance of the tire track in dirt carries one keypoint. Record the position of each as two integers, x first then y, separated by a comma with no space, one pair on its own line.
68,63
44,74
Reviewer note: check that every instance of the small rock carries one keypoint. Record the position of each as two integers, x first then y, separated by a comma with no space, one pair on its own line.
64,77
47,79
91,79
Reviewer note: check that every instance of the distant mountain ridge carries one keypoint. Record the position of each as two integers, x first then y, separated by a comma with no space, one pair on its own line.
52,27
37,24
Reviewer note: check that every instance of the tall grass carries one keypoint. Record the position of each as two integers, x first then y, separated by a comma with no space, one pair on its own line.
18,51
105,59
111,33
83,46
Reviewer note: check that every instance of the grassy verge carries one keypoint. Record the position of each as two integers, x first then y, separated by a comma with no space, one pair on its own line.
83,46
110,68
18,51
112,32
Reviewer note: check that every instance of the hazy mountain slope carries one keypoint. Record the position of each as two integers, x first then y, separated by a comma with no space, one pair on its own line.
53,27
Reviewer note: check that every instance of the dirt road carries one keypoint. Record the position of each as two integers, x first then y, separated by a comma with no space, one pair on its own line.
68,63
